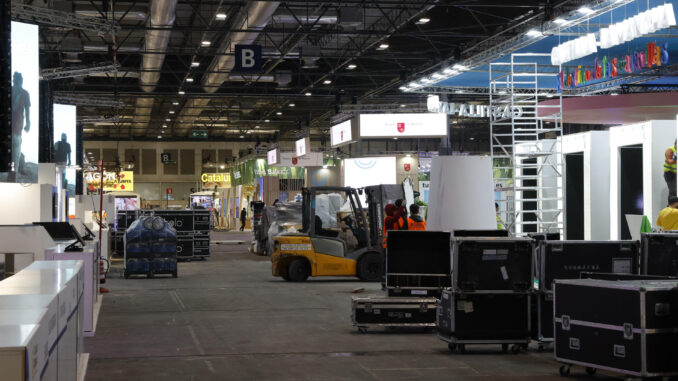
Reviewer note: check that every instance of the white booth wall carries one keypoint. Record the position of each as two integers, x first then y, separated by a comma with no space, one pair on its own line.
595,147
655,137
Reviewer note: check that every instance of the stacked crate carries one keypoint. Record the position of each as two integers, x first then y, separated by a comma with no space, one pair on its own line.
489,301
150,248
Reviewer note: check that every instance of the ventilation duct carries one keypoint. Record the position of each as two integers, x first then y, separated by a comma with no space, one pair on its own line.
289,18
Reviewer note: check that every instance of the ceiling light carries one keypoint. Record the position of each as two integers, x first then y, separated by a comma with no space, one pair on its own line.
324,167
408,155
471,138
292,105
222,166
560,21
459,67
534,33
403,106
279,113
195,64
327,81
585,10
256,126
351,66
163,131
164,126
182,92
168,120
171,112
159,137
423,20
249,132
383,47
267,121
206,43
189,79
221,16
437,75
402,88
308,93
395,138
175,103
242,136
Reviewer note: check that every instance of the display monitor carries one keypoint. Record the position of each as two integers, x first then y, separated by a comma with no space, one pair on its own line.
25,67
59,231
65,150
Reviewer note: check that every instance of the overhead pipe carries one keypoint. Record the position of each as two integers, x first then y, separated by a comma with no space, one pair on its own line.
286,17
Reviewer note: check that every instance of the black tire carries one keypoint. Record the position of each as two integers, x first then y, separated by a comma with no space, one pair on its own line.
298,270
515,348
564,370
452,347
286,277
590,371
370,267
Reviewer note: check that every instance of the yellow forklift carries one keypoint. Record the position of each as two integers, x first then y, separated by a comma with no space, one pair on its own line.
346,245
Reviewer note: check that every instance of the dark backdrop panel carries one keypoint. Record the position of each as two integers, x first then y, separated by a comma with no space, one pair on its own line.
630,184
5,88
574,193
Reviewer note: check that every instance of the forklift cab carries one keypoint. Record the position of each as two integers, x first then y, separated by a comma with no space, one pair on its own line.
335,220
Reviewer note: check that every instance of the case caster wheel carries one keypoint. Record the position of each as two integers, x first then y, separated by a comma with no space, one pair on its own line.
452,347
590,371
515,348
504,347
362,330
462,348
126,275
174,274
540,347
564,370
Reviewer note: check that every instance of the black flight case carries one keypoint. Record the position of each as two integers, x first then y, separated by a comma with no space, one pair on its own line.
382,311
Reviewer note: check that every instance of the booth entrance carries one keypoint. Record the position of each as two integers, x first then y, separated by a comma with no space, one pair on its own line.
574,195
631,184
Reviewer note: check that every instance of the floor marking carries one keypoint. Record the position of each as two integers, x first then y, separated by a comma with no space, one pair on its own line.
177,300
195,340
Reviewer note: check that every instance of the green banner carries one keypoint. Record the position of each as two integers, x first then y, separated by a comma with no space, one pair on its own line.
245,173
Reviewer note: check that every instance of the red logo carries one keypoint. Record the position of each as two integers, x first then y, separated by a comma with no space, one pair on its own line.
122,175
407,167
294,160
401,127
342,136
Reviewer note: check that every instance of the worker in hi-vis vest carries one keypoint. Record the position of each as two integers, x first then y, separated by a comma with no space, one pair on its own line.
670,168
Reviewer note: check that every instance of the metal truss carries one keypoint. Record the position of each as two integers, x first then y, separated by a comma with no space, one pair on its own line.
85,100
115,119
381,107
638,88
469,90
46,16
60,72
616,84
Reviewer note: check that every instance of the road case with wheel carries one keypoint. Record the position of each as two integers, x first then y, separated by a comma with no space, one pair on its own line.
417,263
484,318
381,311
492,264
659,254
629,327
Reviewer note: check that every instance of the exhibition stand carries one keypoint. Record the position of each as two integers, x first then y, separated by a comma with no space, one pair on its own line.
637,184
587,185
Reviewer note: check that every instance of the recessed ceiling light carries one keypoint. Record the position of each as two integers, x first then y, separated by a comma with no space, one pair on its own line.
256,126
279,113
171,112
206,43
308,93
292,105
222,166
242,136
163,131
175,103
351,66
402,88
181,92
168,120
189,79
471,138
159,137
403,105
249,132
164,126
382,47
327,81
423,20
395,138
195,64
221,16
267,121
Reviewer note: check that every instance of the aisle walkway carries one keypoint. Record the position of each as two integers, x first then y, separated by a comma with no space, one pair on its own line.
228,319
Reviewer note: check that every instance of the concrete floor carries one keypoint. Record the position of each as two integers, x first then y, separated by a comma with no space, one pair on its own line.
228,319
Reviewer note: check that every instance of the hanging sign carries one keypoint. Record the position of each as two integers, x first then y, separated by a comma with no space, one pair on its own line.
342,134
113,181
303,146
273,156
403,125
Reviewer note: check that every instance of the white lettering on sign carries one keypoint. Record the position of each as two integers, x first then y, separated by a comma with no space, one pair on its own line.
248,58
236,174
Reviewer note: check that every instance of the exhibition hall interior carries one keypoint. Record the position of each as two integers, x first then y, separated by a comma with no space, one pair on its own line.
338,190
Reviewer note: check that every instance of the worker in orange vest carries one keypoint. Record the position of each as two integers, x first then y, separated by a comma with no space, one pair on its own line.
415,221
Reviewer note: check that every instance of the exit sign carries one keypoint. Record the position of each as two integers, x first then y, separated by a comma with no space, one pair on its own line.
199,134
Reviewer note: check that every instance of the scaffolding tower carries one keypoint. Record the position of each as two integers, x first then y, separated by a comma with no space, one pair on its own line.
526,143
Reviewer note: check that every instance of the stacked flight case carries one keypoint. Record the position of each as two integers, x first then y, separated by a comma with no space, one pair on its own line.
567,260
489,301
417,269
629,327
659,255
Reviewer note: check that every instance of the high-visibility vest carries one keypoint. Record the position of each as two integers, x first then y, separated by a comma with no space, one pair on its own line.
416,225
670,167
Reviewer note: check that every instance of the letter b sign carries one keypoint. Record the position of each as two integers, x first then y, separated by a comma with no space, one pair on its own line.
247,58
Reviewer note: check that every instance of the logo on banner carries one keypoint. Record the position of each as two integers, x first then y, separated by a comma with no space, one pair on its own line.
407,167
366,164
401,127
295,160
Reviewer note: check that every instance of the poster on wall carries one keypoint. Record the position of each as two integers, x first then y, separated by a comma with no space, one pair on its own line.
64,143
25,103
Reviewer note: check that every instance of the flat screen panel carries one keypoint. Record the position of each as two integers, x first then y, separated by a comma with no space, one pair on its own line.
25,101
341,134
403,125
64,142
273,156
574,195
303,147
366,171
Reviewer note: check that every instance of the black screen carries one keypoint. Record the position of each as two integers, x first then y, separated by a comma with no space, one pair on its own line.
59,231
574,193
630,184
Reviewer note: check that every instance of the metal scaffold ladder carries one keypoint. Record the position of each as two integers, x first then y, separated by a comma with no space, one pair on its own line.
526,143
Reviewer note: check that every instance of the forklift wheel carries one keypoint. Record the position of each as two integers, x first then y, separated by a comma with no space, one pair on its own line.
286,277
370,267
298,270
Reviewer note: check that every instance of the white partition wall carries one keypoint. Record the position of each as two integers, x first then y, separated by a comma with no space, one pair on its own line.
594,146
653,138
